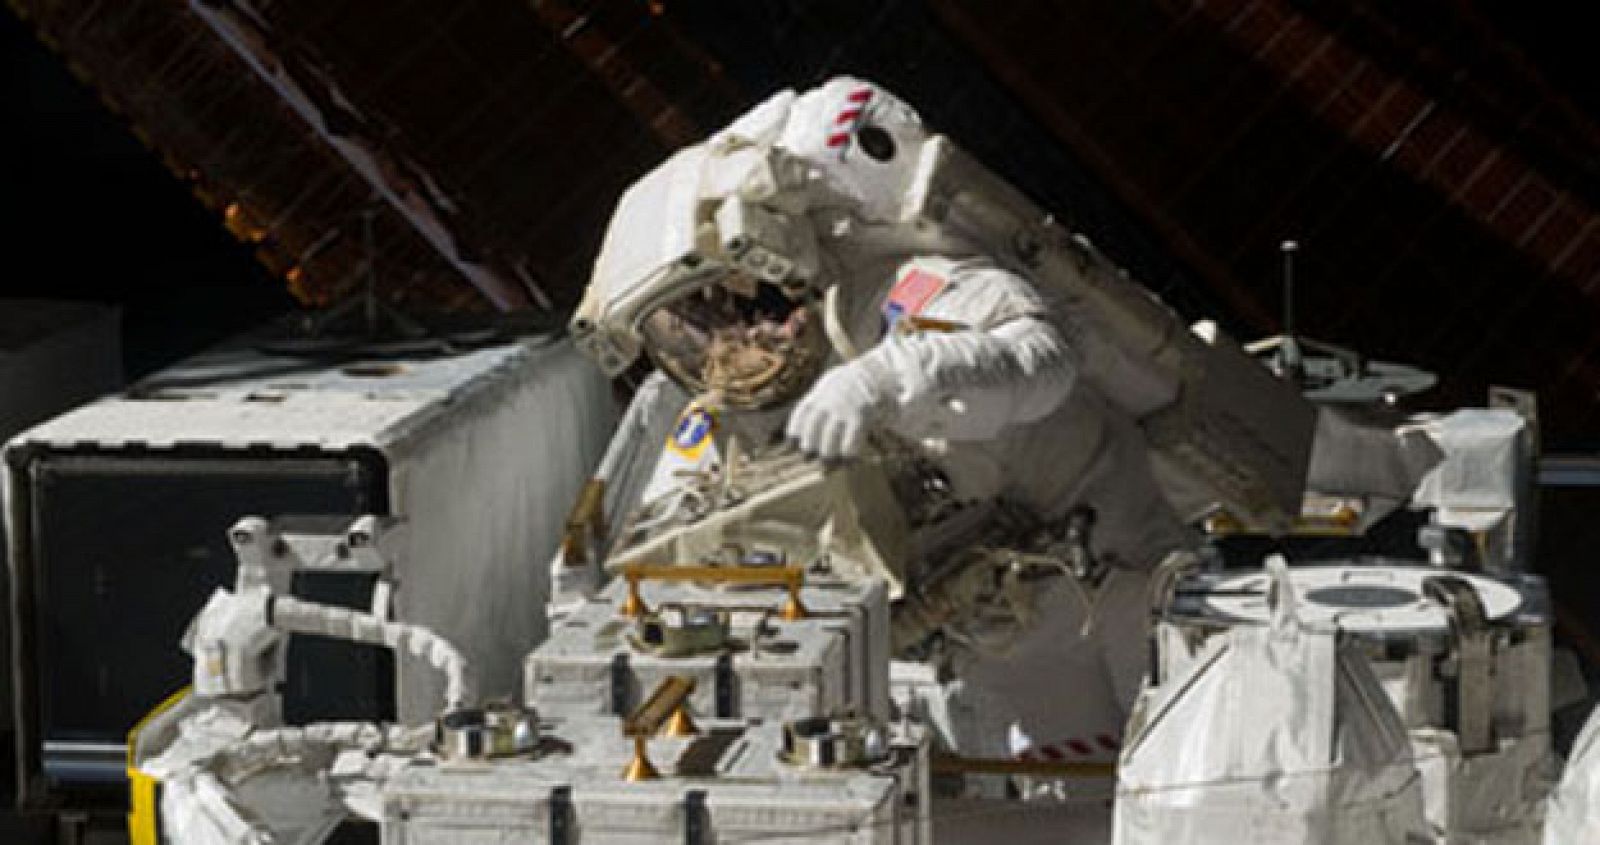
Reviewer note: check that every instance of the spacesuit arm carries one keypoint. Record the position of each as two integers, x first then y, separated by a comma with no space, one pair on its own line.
966,384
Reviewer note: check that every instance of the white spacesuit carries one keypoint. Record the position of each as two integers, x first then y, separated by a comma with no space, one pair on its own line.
995,381
959,353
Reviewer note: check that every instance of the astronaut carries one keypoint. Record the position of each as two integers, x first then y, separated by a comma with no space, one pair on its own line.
774,274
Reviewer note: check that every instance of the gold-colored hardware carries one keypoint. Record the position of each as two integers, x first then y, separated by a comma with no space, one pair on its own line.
915,323
664,709
633,605
144,807
793,610
791,578
680,724
639,768
1222,524
586,523
668,696
1342,521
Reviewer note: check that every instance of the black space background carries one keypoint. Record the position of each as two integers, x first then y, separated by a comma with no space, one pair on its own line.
86,212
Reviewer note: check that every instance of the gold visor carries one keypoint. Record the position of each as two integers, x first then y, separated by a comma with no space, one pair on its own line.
744,341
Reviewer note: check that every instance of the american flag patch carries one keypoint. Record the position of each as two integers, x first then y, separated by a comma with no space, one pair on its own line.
911,294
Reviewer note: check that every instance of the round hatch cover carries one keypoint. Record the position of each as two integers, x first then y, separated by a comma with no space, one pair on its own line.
1360,599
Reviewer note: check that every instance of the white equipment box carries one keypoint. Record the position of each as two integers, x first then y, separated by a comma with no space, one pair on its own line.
727,784
119,516
833,661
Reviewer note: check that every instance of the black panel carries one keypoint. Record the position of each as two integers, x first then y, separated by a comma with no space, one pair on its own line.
1394,536
354,832
332,679
1568,536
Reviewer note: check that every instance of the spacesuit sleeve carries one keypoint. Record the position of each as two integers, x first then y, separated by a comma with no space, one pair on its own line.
970,383
993,353
970,350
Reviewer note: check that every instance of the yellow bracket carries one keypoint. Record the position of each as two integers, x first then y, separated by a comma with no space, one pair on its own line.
791,578
665,711
144,823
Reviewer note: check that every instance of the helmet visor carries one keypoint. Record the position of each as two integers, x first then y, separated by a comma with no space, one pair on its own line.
744,340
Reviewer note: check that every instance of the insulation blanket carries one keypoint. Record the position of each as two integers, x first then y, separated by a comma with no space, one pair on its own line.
1573,816
1277,734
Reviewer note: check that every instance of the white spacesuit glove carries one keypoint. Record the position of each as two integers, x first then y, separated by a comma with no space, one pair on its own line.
960,385
834,416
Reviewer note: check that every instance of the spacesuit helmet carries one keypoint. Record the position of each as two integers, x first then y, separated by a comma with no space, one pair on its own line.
713,263
718,287
863,140
745,342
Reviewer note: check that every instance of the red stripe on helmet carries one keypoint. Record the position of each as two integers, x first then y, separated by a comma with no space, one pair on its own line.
860,95
838,139
847,116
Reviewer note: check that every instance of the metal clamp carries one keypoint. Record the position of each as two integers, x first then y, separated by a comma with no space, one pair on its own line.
679,630
1163,590
820,742
480,733
1469,623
